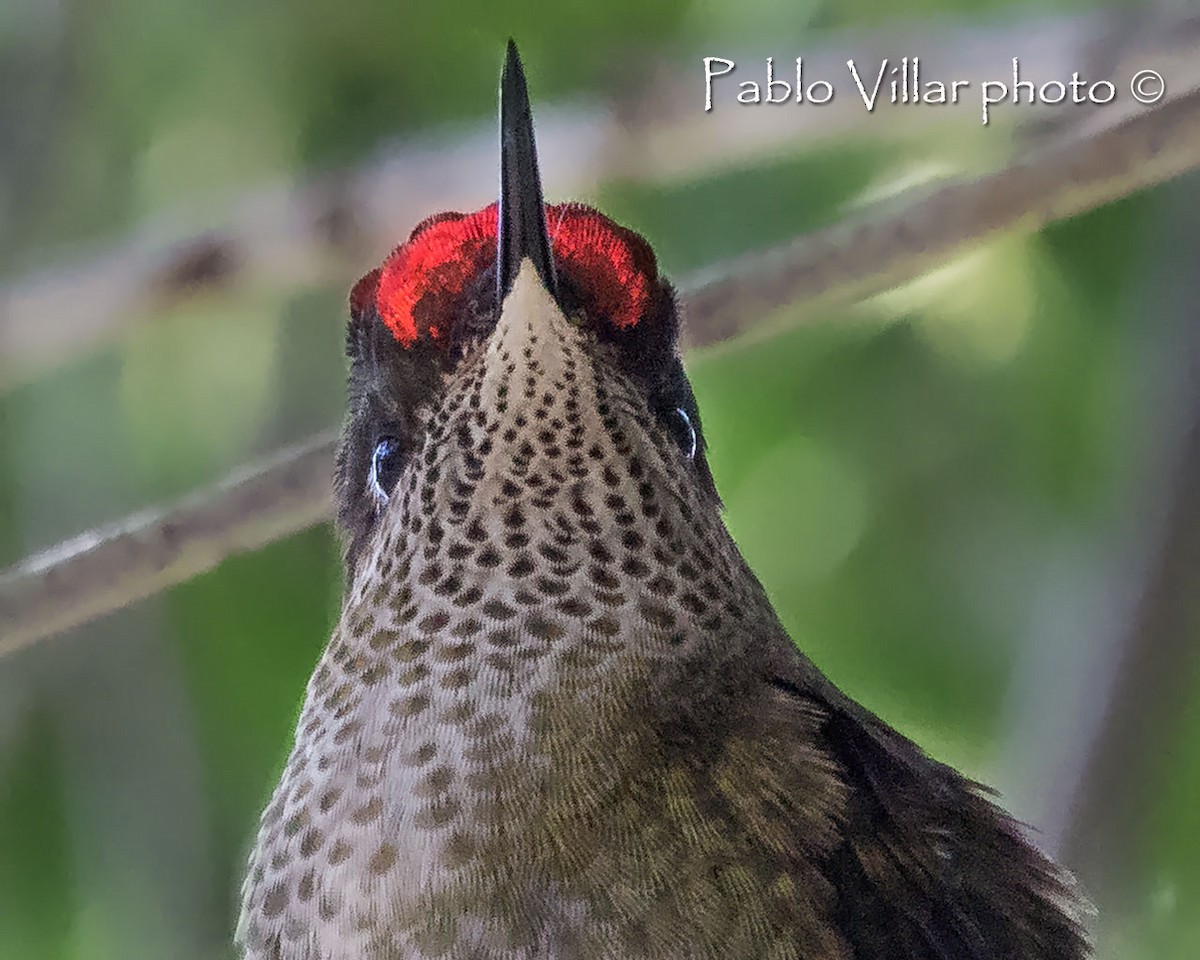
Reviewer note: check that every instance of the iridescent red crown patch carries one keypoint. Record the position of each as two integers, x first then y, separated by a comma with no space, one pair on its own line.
420,287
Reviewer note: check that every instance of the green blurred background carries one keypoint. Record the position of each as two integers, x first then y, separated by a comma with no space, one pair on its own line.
961,495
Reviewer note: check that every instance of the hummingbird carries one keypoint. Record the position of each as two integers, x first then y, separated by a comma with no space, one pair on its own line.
558,716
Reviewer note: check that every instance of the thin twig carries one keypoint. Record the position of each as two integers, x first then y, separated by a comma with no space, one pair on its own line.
887,246
882,249
103,570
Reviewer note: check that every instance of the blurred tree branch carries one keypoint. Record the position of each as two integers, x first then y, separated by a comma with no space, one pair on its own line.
1144,689
1109,657
894,243
103,570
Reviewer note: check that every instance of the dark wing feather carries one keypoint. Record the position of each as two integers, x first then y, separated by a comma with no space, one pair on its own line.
928,868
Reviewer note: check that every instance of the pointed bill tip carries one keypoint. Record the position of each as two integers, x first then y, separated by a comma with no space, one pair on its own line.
513,88
522,232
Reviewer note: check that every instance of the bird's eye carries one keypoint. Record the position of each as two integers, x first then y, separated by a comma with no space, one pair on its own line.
684,431
386,462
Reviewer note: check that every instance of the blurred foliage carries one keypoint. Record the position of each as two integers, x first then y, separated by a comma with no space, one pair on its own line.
900,476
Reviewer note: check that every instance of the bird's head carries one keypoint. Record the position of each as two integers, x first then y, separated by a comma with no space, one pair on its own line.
522,355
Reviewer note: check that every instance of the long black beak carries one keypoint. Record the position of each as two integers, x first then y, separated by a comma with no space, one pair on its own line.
522,231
